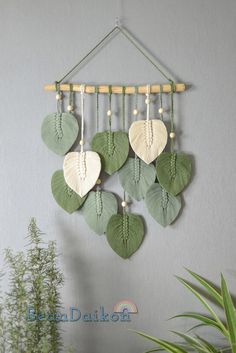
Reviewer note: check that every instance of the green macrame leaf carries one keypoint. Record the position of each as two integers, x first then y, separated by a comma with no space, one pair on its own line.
136,177
162,206
59,132
125,234
98,209
173,171
113,148
64,195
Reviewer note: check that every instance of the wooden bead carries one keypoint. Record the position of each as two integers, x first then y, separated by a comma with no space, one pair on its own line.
109,112
81,142
172,135
69,108
135,112
161,110
123,203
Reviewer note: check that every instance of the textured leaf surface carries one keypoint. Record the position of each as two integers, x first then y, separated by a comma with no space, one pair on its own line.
173,171
136,177
113,148
148,138
98,209
162,206
81,171
59,132
63,194
125,234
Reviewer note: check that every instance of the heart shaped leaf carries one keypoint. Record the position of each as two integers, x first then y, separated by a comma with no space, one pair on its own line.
136,177
64,195
125,234
98,209
113,148
59,132
148,138
81,171
173,171
163,207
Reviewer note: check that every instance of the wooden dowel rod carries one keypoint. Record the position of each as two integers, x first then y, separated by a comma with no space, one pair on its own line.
180,87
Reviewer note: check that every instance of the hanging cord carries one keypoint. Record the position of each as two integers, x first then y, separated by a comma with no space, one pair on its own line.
123,108
172,128
160,110
136,171
132,40
144,52
58,98
135,111
82,117
109,112
70,106
147,101
97,107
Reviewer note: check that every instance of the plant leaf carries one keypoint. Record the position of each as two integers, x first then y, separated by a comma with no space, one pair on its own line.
125,234
229,313
162,206
207,306
169,347
98,209
64,195
210,289
136,177
59,132
173,171
148,138
81,171
192,341
206,321
208,345
113,148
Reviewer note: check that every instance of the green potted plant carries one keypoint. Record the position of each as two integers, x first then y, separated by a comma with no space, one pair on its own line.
226,327
35,281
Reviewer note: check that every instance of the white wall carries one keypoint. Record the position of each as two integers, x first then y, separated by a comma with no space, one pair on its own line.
195,40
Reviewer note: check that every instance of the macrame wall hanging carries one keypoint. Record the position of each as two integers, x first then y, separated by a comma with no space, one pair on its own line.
148,170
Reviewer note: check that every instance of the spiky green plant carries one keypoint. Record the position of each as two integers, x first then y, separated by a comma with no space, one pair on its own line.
16,302
2,324
34,281
226,326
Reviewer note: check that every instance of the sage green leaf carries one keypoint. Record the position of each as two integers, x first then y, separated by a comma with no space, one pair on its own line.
59,132
125,234
136,177
98,209
64,195
113,148
173,171
161,205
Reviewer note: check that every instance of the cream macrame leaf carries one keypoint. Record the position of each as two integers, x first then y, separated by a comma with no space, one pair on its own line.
173,171
59,132
81,171
148,138
125,234
161,205
98,209
64,195
136,177
113,148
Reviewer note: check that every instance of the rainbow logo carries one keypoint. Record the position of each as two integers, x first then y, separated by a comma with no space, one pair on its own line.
125,306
